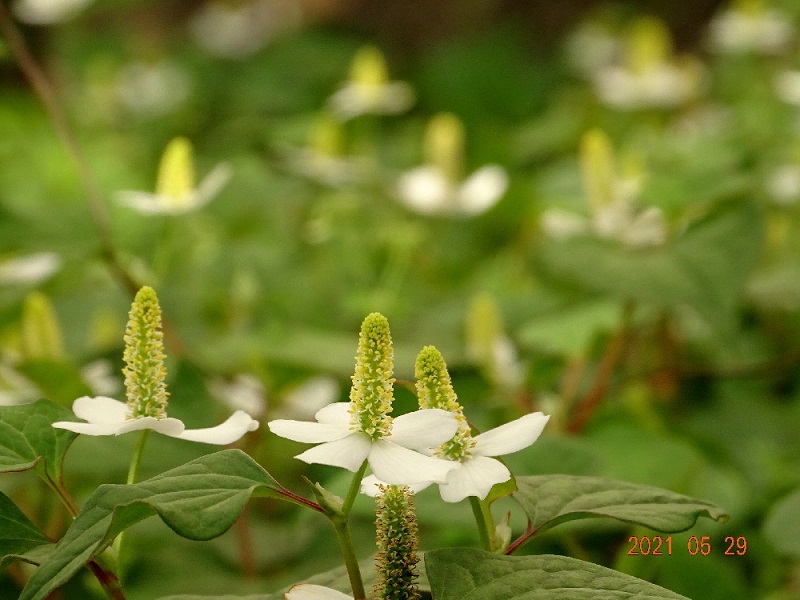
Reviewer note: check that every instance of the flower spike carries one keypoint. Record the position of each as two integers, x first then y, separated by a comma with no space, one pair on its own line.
145,373
371,393
397,541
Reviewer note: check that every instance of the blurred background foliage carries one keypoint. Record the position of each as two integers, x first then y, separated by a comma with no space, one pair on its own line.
643,288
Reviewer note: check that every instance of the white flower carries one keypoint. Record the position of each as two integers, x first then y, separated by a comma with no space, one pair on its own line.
100,377
47,12
309,591
30,269
477,471
590,47
393,458
149,90
369,90
106,416
176,193
784,184
428,191
15,388
744,28
787,86
244,392
303,401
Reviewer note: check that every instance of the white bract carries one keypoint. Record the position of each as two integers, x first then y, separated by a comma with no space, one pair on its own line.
428,191
176,192
107,416
477,471
29,269
394,458
749,27
47,12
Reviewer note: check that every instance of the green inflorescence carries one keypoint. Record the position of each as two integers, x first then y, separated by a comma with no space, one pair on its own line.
435,390
144,371
371,393
397,541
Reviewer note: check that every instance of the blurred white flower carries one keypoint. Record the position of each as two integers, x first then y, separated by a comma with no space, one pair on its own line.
614,213
303,401
46,12
152,89
244,392
749,26
648,74
176,193
100,376
783,184
15,388
428,191
439,187
30,269
369,91
787,86
240,30
322,160
310,591
590,47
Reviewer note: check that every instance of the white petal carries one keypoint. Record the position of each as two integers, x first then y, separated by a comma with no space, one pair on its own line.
370,483
307,431
474,477
423,429
100,409
166,426
394,464
511,437
335,413
145,202
211,185
482,190
425,190
348,452
32,268
228,432
308,591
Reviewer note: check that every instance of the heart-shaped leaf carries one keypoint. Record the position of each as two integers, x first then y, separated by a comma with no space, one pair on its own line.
29,441
552,499
471,574
19,538
199,500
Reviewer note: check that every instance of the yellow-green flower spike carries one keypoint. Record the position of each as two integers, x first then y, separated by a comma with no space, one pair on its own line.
597,168
369,68
144,371
371,393
435,390
649,44
751,8
176,172
444,145
41,335
397,541
484,325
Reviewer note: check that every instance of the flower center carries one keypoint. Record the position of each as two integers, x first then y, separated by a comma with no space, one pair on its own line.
176,173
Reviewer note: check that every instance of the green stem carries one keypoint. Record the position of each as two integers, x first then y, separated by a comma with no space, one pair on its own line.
355,485
484,520
136,459
342,528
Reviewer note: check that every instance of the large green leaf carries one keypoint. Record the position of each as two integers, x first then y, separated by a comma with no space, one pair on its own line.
782,527
704,267
471,574
199,500
19,538
29,441
552,499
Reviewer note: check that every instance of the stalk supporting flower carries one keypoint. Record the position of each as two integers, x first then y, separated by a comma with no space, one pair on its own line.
351,432
397,541
146,390
474,472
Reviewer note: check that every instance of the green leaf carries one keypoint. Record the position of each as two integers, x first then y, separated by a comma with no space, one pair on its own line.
782,527
199,500
19,538
549,500
29,441
471,574
706,266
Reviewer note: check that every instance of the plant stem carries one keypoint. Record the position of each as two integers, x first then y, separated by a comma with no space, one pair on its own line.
484,520
355,485
107,579
136,459
342,528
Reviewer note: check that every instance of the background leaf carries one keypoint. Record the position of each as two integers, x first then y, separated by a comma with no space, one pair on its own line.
782,527
470,574
28,440
552,499
199,500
